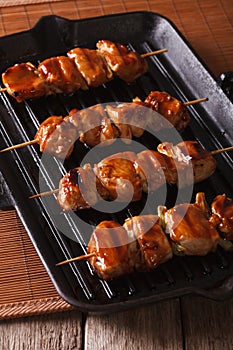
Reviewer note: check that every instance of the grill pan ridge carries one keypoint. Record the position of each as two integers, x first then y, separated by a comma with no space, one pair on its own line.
179,72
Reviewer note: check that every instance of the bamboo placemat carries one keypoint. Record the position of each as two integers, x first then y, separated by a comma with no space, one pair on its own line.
25,287
8,3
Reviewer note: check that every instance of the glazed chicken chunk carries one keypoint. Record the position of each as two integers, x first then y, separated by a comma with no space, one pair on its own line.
56,136
23,82
194,164
92,66
77,189
190,229
222,215
130,116
172,109
95,127
127,65
153,245
61,75
119,177
113,251
155,170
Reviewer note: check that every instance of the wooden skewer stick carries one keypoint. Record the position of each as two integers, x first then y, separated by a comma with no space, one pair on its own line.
194,102
152,53
81,257
217,151
144,55
27,143
44,193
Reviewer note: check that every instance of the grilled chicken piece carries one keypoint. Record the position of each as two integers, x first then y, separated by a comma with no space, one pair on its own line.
114,254
79,189
170,108
125,130
61,75
118,176
92,66
95,127
202,163
130,118
152,168
23,82
153,245
201,202
190,229
222,215
127,65
155,170
57,136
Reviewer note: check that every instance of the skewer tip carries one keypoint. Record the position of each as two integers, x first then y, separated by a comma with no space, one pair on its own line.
20,145
3,90
77,258
221,150
194,102
153,53
43,193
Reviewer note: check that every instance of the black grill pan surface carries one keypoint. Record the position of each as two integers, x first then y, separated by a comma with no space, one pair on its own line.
181,73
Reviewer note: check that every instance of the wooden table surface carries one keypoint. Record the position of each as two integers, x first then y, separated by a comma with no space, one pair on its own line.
189,322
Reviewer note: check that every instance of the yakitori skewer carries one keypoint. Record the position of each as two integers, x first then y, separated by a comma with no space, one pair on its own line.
108,123
146,171
115,250
81,68
144,242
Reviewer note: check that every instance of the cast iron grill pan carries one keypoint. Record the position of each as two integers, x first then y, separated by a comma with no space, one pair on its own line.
179,72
